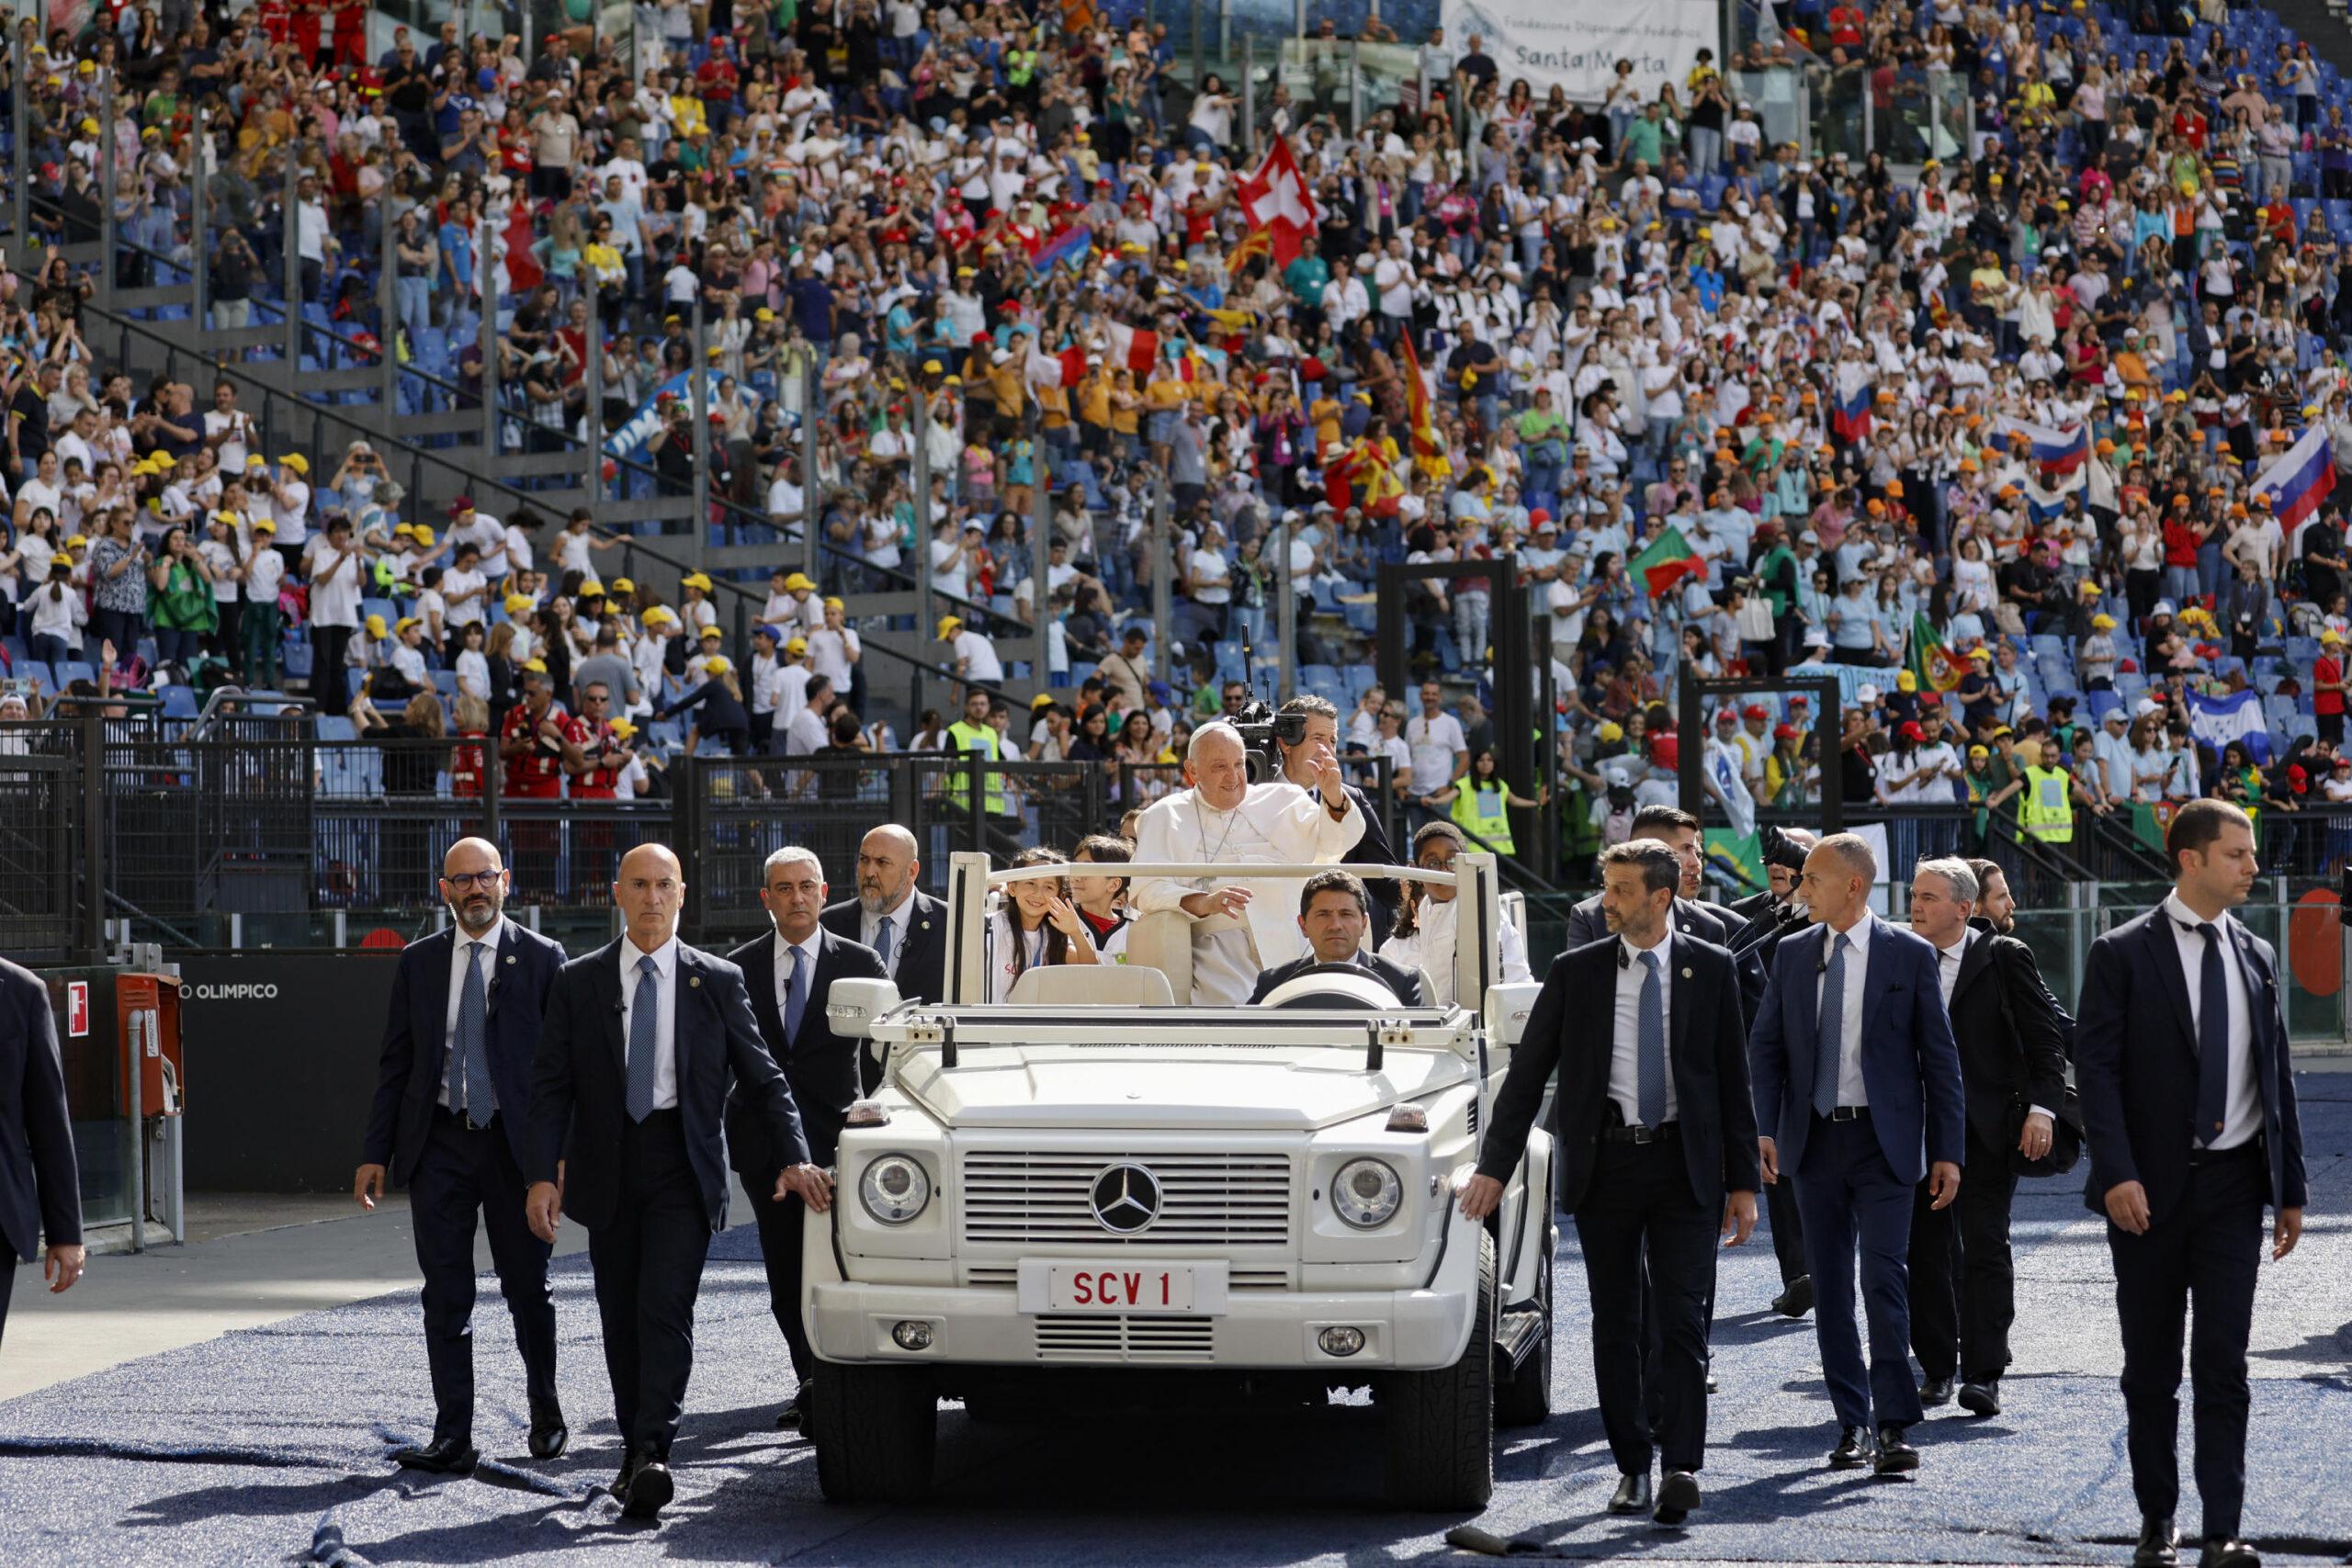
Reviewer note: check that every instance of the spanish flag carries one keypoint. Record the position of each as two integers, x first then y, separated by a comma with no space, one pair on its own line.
1426,443
1257,243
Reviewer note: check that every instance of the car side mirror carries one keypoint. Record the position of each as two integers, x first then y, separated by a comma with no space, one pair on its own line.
853,1005
1507,1004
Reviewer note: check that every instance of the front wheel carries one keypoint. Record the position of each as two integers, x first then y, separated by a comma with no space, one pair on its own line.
1442,1423
875,1429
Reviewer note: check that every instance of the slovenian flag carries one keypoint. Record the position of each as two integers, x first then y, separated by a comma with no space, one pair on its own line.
2057,452
2300,479
1849,416
1071,245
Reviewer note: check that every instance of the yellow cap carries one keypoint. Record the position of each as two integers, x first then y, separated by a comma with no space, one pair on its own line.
519,604
659,614
535,667
717,664
623,728
296,461
695,579
623,585
795,646
798,582
713,632
2103,623
376,625
591,589
404,623
835,605
423,533
948,626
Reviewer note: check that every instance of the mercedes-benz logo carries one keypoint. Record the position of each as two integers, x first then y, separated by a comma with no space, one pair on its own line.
1126,1199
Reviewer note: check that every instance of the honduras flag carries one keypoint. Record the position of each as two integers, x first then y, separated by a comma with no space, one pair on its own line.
2237,715
2300,479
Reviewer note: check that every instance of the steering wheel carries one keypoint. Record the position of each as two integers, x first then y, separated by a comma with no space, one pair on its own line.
1344,986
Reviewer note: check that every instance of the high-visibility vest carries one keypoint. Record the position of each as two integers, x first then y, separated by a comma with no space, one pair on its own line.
2045,809
980,738
1483,813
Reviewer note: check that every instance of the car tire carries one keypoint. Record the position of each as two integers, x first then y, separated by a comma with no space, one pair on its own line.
1526,1398
1442,1423
875,1429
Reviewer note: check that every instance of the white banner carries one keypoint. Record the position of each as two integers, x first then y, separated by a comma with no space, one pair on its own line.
1578,43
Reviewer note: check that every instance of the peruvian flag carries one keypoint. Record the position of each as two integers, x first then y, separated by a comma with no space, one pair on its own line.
1276,200
1132,348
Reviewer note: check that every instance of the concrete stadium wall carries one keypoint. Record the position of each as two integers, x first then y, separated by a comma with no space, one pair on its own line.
281,1051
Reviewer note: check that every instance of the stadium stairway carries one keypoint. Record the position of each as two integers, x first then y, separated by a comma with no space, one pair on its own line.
333,391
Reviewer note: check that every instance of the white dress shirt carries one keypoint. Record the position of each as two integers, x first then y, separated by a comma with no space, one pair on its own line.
869,932
1851,1089
783,950
666,1021
2243,1118
1947,963
459,957
1625,1048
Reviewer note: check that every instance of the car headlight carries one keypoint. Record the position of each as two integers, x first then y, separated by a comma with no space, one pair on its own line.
1366,1193
894,1188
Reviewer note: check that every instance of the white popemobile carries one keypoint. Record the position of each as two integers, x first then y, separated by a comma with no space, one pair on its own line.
1088,1192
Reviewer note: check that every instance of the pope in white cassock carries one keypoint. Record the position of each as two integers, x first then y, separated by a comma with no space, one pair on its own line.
1240,927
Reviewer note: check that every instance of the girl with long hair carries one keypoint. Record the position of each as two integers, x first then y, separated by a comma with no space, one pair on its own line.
1038,923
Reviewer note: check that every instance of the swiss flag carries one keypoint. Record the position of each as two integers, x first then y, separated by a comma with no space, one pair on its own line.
1275,200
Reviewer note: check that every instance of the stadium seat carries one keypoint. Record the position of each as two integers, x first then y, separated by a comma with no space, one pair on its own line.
74,670
336,726
180,702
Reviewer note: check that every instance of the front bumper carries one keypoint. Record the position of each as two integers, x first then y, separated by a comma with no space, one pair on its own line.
1417,1329
1407,1330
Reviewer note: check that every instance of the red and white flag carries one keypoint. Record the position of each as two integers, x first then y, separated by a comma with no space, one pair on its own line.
1276,200
1132,348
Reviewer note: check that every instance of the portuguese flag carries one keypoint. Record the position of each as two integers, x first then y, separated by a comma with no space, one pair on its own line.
1931,661
1666,561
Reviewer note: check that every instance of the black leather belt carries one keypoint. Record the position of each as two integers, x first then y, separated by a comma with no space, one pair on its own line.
2251,1149
1641,1134
1848,1113
458,1119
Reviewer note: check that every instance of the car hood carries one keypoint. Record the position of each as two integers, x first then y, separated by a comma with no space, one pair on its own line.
1296,1088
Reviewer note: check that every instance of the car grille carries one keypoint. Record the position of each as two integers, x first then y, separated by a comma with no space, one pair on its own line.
1130,1339
1208,1200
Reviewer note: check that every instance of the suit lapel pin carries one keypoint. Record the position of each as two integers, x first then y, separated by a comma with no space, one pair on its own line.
1686,974
695,980
510,958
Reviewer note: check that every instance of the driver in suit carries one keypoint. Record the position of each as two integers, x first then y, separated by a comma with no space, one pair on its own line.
1333,910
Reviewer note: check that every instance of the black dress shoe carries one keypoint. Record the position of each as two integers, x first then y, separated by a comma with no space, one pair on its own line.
1895,1456
1797,1299
1676,1496
1934,1392
620,1482
2229,1552
549,1435
1632,1494
2159,1543
1853,1450
649,1489
1981,1398
442,1456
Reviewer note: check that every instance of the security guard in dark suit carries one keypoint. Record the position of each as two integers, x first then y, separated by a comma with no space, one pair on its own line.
644,1039
450,1123
41,1189
1656,1154
898,920
788,973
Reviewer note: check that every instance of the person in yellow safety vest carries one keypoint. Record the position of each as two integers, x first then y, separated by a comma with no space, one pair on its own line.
972,732
1477,801
2045,795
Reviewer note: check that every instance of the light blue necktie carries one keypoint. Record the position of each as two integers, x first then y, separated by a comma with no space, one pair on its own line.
882,946
644,1027
795,997
1649,1045
1832,1025
473,1043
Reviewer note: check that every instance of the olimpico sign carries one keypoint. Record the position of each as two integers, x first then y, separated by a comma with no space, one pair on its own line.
1578,43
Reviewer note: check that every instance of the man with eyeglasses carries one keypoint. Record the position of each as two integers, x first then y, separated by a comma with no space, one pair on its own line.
450,1123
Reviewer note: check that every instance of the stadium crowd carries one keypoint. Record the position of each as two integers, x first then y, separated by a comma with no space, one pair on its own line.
2043,441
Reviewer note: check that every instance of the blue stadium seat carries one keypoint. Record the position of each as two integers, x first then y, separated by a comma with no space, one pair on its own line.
336,726
74,670
180,702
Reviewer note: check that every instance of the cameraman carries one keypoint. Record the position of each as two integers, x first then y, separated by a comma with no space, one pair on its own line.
1299,767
